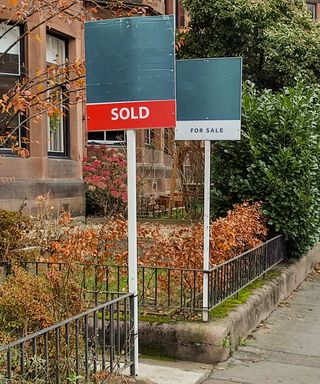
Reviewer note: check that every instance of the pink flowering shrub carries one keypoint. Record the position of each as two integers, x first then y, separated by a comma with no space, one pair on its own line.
105,177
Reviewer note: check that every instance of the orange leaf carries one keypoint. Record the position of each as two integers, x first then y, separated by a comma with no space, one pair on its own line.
38,38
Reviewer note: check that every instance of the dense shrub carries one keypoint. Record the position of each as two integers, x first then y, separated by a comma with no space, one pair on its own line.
276,38
242,229
29,303
105,177
12,228
90,244
276,162
24,303
177,246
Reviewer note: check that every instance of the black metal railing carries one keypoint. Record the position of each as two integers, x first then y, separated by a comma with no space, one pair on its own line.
159,208
99,340
159,287
165,288
227,279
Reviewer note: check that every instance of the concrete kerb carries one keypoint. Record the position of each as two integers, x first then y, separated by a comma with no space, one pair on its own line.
214,341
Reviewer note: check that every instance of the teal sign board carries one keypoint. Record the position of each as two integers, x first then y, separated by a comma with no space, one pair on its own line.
130,73
209,99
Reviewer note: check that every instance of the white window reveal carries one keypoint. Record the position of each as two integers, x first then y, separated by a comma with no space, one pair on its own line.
56,50
56,54
312,9
10,61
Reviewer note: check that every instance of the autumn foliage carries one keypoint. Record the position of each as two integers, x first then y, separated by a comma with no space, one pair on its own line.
39,92
30,303
179,247
242,229
12,230
182,246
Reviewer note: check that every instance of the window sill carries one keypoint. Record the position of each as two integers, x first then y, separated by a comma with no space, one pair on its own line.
58,156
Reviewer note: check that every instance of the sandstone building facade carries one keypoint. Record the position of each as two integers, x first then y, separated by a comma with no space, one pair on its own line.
54,167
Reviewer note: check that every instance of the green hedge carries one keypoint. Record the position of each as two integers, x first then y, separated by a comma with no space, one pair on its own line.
276,161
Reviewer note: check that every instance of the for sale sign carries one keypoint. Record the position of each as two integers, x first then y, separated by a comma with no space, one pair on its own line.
209,99
130,73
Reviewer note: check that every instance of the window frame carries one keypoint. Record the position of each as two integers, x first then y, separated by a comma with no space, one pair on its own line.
105,141
22,130
65,119
149,137
313,10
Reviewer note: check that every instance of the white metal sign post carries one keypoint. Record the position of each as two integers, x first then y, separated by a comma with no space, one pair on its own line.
131,85
208,108
206,229
132,236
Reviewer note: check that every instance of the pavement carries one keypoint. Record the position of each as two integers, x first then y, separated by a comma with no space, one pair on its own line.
285,349
172,372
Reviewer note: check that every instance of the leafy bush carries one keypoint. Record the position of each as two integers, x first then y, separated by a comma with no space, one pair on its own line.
180,246
29,303
242,229
90,244
276,38
276,162
12,227
105,177
24,304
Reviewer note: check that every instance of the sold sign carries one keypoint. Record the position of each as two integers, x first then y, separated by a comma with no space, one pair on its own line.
114,116
130,79
125,113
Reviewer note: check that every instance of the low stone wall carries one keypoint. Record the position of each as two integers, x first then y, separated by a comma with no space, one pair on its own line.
213,342
63,194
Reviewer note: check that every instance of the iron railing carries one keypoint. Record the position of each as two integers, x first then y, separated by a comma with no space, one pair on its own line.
227,279
159,287
99,340
159,208
165,288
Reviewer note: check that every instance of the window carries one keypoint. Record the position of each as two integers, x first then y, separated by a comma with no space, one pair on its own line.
312,9
57,123
149,137
107,137
10,64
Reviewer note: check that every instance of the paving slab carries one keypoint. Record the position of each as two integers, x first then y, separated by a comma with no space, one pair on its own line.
173,372
266,372
253,354
294,327
285,349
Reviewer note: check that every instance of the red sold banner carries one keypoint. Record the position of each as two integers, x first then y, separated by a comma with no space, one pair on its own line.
127,115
